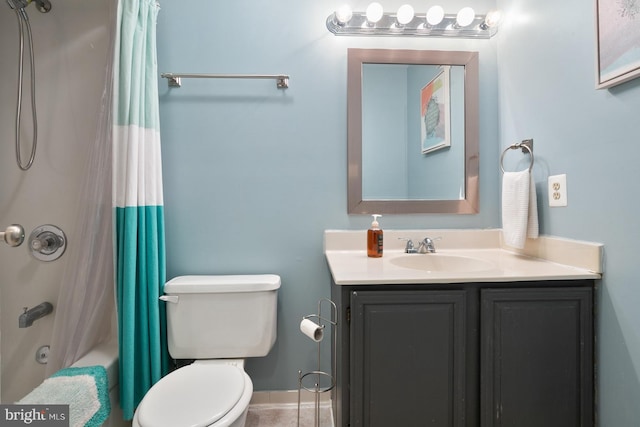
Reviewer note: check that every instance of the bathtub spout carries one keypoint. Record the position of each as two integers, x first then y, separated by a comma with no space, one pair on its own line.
27,318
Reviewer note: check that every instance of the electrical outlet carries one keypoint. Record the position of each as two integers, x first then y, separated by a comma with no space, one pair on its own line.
558,190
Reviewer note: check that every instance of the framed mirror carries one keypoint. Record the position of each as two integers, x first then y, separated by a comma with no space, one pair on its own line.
412,131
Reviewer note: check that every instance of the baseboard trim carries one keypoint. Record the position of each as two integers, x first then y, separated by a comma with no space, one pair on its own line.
287,397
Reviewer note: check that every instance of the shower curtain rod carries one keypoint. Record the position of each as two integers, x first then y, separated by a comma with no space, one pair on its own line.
173,79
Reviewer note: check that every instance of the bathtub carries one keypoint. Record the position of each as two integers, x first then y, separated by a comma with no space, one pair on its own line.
107,355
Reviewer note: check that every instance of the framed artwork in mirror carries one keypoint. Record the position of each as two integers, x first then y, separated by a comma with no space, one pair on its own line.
617,41
435,115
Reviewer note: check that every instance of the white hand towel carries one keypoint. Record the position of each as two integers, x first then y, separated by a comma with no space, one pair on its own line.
519,208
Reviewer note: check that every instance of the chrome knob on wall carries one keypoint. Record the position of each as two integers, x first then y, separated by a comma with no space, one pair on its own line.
47,242
13,235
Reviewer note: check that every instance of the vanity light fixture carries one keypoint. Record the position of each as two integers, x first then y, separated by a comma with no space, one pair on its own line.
374,13
492,19
435,15
465,17
407,22
343,15
405,15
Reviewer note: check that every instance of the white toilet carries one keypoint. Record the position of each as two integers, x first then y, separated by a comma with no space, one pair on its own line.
217,320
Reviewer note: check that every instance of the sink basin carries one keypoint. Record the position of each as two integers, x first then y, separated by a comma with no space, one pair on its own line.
441,263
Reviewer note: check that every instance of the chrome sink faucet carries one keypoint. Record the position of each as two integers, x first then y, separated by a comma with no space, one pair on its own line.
408,248
426,245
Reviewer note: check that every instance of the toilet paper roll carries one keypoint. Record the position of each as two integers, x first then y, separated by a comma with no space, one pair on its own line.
312,330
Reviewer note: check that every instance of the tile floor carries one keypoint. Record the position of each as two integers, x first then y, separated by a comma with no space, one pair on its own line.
286,415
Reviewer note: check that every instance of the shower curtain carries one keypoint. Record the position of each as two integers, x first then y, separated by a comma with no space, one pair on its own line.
138,202
84,310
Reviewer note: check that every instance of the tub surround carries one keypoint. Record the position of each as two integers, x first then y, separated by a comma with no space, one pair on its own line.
106,354
545,258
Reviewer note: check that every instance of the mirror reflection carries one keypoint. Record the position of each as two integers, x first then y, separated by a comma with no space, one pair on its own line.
412,131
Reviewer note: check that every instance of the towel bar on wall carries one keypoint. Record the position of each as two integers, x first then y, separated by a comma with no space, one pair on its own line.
526,146
174,79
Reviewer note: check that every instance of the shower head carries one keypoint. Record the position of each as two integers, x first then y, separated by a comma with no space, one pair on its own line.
43,6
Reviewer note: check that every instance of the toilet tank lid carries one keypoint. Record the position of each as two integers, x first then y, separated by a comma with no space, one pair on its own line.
222,284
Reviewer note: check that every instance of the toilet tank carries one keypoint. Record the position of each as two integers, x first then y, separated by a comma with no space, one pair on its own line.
219,317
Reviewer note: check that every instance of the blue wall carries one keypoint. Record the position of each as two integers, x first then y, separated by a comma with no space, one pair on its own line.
546,57
253,175
395,167
384,132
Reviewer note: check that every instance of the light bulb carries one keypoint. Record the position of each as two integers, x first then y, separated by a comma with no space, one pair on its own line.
374,12
465,16
405,14
493,18
344,14
435,15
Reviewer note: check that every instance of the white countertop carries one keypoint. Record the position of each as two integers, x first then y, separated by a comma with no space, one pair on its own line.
546,258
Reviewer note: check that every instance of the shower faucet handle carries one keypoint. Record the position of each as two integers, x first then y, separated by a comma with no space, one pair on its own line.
47,242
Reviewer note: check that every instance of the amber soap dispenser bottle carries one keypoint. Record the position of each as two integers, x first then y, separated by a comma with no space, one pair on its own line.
374,239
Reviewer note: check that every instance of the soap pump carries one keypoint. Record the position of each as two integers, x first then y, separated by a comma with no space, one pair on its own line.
374,239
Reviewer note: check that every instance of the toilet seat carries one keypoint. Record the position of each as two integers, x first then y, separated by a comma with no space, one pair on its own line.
196,395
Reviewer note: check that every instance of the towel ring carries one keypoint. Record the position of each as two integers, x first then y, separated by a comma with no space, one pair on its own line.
524,145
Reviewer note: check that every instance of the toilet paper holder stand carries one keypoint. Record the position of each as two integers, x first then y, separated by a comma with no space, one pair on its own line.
322,381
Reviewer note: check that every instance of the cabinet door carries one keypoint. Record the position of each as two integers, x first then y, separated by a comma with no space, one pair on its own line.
537,357
408,358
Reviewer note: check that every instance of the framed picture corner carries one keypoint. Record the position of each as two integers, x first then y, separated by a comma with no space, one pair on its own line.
617,41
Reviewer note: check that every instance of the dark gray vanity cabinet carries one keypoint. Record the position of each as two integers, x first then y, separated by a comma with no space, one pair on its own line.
408,352
473,355
537,357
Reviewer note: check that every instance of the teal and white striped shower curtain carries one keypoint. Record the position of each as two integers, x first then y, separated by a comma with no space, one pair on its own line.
138,203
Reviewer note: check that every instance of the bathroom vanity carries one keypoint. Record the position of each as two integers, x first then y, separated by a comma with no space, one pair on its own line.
474,336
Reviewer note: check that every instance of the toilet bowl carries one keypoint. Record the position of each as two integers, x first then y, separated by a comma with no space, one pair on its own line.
206,393
218,321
